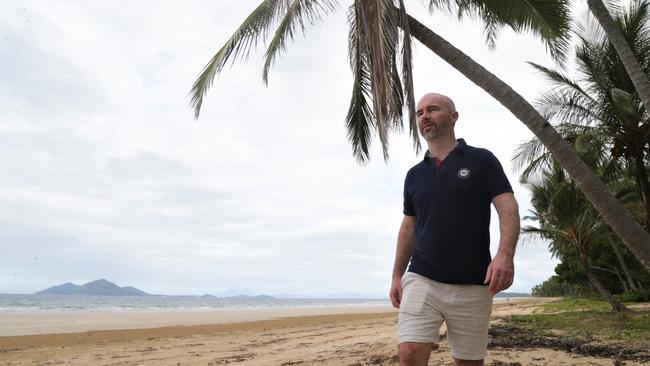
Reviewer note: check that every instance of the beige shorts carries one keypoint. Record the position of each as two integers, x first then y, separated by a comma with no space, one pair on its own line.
465,309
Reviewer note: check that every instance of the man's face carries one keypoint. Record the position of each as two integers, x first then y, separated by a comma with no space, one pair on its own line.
435,117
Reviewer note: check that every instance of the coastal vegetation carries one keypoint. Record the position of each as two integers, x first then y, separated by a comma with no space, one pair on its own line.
598,112
580,326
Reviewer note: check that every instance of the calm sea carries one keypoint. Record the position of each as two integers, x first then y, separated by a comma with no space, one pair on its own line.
35,303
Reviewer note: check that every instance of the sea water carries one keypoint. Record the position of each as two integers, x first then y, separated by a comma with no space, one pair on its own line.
36,303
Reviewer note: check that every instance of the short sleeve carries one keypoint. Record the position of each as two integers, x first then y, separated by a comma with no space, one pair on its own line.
496,181
409,210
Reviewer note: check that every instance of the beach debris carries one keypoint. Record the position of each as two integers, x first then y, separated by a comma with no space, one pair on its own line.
505,335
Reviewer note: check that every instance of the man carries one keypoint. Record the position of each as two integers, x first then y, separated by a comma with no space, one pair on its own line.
445,237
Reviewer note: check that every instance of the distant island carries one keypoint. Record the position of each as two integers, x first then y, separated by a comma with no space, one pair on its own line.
100,287
512,294
106,288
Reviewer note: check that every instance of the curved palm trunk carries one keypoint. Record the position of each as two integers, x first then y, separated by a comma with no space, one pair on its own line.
621,261
618,275
639,78
625,226
604,293
642,179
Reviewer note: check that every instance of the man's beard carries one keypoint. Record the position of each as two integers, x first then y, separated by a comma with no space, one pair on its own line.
431,134
436,130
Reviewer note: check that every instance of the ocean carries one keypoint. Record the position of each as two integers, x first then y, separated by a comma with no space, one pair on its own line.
38,303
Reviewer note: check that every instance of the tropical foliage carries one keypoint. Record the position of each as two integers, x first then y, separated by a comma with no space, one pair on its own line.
601,102
601,115
623,47
571,224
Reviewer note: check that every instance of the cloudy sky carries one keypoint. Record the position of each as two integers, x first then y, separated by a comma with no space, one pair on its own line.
105,174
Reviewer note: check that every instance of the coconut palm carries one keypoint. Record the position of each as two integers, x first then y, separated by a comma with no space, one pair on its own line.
592,147
602,101
568,220
624,47
379,94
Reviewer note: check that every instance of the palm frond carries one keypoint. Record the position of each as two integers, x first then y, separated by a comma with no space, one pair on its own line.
360,121
625,107
546,232
558,77
634,22
299,15
407,75
253,30
440,5
569,106
589,30
548,19
380,32
528,153
396,108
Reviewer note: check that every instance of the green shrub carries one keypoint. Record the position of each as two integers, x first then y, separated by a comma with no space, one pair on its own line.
636,296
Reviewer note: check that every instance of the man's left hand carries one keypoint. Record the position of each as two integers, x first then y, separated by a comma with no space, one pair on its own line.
500,273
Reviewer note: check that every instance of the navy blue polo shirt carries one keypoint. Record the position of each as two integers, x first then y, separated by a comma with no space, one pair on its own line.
451,204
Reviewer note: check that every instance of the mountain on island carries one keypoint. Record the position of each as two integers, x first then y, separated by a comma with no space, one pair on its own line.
99,287
512,294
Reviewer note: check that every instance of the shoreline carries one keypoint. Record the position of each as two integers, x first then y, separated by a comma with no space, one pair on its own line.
39,322
350,336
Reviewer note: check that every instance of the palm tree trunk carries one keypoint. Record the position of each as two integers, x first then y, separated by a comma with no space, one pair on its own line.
625,226
618,275
604,293
642,179
621,261
639,78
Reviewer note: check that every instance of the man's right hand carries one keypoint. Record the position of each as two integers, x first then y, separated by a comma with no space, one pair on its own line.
396,292
403,254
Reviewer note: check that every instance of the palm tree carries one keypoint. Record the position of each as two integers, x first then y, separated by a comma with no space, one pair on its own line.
621,261
374,55
567,219
623,48
602,102
592,147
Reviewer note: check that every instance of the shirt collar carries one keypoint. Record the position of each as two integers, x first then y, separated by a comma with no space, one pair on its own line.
460,147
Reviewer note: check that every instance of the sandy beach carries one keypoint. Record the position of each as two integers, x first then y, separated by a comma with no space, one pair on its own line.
321,336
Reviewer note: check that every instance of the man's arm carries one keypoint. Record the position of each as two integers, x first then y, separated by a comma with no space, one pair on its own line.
404,252
501,270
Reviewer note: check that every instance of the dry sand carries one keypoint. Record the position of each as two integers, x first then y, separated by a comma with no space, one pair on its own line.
366,337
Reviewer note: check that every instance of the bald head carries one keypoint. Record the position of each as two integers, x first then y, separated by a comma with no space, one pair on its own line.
436,116
442,98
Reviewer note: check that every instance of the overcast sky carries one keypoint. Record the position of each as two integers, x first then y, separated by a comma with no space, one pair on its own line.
104,173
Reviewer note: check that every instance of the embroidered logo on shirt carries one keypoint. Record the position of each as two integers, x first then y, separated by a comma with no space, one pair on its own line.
463,173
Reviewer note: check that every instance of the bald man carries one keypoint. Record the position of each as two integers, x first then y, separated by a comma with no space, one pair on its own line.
445,237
